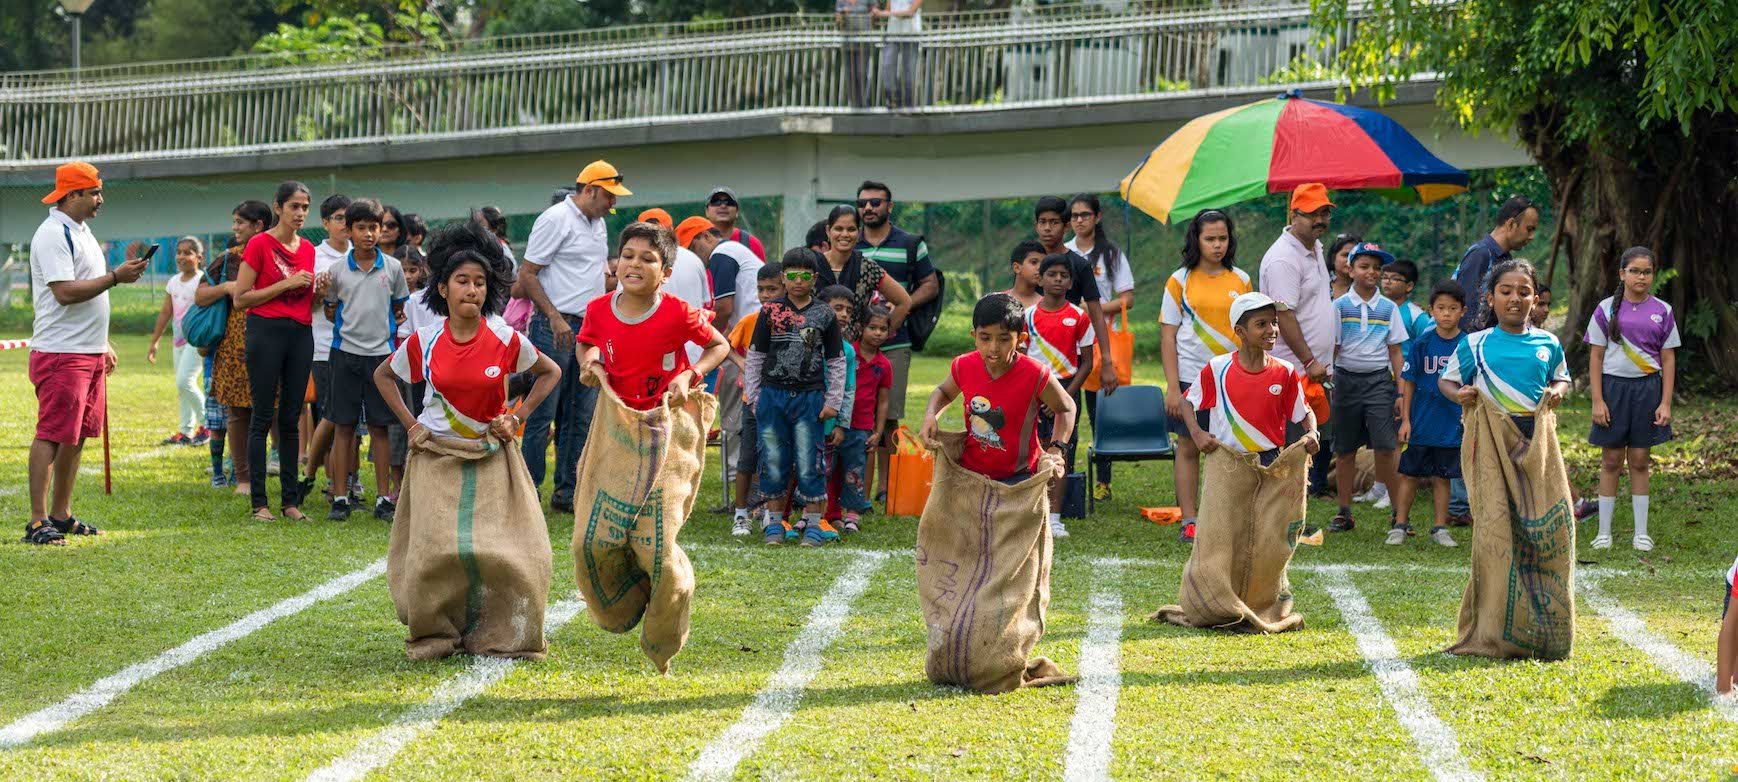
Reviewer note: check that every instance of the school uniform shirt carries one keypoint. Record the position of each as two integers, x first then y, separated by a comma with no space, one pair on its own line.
180,300
1001,415
365,317
1110,281
1417,323
1645,331
1510,370
272,263
643,354
1247,411
63,250
874,378
325,257
1199,305
1435,418
1057,338
419,315
467,381
1367,328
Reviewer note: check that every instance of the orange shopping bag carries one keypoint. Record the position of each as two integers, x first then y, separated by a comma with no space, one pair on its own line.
1122,349
910,470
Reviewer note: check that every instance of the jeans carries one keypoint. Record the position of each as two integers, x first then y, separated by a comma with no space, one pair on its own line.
1457,504
850,459
569,407
280,355
899,73
790,435
190,390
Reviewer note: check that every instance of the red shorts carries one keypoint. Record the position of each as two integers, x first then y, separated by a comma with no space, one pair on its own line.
70,394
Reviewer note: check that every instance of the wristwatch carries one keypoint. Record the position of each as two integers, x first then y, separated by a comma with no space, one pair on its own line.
1060,445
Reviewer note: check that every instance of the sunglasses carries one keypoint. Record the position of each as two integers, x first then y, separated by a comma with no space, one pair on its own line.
722,200
799,276
393,226
1081,216
870,203
618,179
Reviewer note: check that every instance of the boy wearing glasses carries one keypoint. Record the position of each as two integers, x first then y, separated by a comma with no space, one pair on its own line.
795,382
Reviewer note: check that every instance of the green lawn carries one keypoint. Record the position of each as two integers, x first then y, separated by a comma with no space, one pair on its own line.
305,690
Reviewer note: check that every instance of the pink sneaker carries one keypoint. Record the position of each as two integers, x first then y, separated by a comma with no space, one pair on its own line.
851,523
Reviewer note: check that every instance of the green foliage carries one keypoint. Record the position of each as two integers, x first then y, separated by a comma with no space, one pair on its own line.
338,37
1301,70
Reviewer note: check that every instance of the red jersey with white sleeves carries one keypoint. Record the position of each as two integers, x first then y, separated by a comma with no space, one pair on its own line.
467,381
1001,415
642,355
1247,410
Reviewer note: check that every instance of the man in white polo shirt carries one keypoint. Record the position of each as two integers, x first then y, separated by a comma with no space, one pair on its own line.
1294,273
70,355
566,259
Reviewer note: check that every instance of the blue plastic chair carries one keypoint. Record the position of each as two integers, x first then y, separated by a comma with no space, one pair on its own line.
1130,426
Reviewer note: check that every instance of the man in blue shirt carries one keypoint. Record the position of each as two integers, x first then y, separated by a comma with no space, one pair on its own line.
1517,221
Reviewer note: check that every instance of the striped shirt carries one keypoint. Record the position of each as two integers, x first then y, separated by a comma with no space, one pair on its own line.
1367,328
905,258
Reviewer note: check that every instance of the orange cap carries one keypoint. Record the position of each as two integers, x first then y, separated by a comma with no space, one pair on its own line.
691,228
1309,197
656,215
604,175
77,175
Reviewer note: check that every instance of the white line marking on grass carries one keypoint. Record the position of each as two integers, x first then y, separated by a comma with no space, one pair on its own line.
778,700
1435,740
107,689
8,491
137,456
379,749
1089,736
1631,629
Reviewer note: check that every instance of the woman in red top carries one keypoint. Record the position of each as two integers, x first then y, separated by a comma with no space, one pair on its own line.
276,286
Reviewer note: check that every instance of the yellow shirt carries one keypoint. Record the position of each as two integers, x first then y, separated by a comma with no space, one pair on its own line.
1199,305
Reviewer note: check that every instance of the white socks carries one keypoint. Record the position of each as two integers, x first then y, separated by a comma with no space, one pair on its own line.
1607,507
1055,517
1638,502
742,513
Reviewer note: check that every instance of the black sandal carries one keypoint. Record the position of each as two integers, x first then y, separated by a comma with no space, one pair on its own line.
294,513
43,533
72,526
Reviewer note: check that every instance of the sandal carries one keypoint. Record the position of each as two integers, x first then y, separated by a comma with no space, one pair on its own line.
72,526
43,533
294,513
263,514
1342,523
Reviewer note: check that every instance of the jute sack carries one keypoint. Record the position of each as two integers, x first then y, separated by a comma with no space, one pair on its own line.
1365,465
468,562
1520,601
983,576
1251,517
638,478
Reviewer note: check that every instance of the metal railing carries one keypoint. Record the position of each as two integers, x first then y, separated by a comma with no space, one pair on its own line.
653,74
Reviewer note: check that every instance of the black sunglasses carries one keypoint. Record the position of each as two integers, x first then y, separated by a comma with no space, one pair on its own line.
1081,215
721,199
870,203
389,225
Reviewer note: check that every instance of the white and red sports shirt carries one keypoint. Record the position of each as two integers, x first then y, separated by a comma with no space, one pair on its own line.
467,381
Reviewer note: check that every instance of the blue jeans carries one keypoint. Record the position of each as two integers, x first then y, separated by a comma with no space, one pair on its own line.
852,456
790,435
1457,504
569,407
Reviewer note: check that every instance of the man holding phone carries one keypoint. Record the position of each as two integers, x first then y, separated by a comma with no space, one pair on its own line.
70,354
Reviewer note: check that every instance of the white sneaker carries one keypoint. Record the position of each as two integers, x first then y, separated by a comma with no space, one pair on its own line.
1441,536
1602,541
1376,492
1642,543
739,527
1396,536
1057,530
1384,503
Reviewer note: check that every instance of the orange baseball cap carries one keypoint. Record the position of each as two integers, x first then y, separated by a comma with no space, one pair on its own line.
691,228
656,215
604,175
1309,197
77,175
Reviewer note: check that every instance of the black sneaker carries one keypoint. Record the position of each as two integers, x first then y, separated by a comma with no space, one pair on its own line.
340,509
385,508
1342,523
561,504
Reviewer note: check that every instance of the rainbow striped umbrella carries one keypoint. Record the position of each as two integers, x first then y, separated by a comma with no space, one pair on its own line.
1274,145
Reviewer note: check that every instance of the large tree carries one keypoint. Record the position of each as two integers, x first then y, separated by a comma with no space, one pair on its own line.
1629,106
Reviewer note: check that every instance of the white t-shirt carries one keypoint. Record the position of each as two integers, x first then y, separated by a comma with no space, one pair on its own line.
574,250
897,24
418,315
1110,283
63,250
324,257
744,282
688,282
180,299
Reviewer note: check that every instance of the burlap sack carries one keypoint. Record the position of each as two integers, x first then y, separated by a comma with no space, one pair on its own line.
983,576
1520,601
468,563
1365,464
638,478
1251,517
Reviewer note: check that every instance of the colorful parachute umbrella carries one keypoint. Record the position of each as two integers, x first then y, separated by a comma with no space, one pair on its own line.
1274,145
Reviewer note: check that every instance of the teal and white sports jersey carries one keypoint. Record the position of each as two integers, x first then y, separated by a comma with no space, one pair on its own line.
1511,371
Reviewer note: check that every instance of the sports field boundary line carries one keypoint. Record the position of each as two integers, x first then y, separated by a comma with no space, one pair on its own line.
1631,629
1436,741
136,456
381,747
1093,727
779,698
106,689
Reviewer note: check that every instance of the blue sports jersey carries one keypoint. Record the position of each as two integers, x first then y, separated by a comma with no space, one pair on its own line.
1417,323
1509,370
1435,418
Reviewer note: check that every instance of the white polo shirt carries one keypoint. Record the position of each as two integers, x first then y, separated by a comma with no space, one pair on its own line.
64,250
324,257
1295,275
574,251
687,281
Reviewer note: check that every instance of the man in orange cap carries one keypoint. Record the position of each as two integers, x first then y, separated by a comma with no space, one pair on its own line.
565,266
1294,273
70,353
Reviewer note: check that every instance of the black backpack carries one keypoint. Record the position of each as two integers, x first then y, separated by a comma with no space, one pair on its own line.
921,322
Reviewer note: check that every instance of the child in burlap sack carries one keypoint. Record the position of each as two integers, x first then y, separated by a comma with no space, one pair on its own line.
1238,412
1509,378
983,543
469,561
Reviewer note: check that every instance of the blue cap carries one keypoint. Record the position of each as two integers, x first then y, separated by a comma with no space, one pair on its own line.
1370,248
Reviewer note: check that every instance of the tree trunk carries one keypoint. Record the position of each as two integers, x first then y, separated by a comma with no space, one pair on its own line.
1672,192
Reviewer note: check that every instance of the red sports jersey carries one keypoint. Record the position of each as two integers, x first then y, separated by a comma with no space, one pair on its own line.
1001,415
1056,338
467,381
1247,410
642,357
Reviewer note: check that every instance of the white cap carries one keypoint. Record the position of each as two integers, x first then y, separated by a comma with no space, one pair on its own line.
1252,301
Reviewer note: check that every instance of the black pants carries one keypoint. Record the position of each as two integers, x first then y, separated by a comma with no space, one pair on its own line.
1100,467
280,355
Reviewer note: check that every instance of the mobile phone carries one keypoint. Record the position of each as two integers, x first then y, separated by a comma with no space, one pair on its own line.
149,251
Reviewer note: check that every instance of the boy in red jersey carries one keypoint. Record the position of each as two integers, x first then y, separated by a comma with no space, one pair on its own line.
1059,335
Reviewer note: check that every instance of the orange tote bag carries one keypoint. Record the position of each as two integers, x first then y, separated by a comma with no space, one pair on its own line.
1122,349
910,470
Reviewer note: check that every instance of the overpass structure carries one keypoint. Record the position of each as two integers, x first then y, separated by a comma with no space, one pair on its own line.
1005,103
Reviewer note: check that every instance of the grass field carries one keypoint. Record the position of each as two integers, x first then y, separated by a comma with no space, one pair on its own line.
191,642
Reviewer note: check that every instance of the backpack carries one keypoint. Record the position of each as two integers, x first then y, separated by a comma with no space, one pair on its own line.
204,324
923,318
